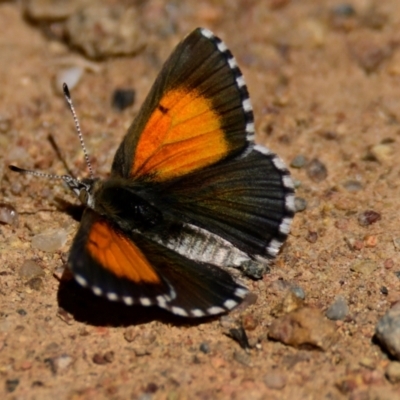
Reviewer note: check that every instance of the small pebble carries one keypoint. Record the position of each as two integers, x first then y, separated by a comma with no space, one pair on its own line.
388,263
123,98
381,153
300,204
393,372
369,54
151,388
338,310
344,10
329,135
11,385
29,269
130,335
296,183
316,170
59,363
105,358
388,331
397,274
371,240
71,76
249,322
299,161
35,283
298,292
312,237
368,363
50,241
288,304
384,290
22,312
242,358
239,334
119,26
8,215
365,267
146,396
352,186
50,10
16,188
141,351
368,217
304,327
204,347
275,380
396,243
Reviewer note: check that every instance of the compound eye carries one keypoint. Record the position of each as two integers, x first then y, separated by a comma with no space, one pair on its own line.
83,196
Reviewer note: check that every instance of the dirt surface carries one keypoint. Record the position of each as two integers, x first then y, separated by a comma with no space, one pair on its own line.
324,78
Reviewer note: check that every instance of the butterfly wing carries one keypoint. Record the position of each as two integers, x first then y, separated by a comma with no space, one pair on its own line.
130,268
248,201
197,113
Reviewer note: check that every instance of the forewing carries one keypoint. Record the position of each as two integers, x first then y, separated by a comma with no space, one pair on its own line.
197,113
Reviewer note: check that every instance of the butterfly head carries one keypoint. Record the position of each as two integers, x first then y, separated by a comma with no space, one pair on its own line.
83,189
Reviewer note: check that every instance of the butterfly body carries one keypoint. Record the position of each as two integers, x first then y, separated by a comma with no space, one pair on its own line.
190,193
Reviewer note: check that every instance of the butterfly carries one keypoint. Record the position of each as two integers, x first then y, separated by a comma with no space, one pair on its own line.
189,193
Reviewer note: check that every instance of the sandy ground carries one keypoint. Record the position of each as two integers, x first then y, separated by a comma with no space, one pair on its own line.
324,83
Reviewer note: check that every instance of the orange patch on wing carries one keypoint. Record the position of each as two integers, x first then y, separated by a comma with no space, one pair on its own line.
119,255
183,134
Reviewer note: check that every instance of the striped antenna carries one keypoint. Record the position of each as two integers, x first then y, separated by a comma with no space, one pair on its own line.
78,128
74,184
39,174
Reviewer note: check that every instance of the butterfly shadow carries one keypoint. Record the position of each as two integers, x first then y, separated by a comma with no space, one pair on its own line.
86,307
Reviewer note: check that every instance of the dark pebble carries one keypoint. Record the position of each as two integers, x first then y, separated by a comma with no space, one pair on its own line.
397,273
300,204
299,161
35,283
101,359
352,186
344,10
312,237
151,387
316,170
22,312
11,385
384,290
204,347
329,135
123,98
368,218
240,336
